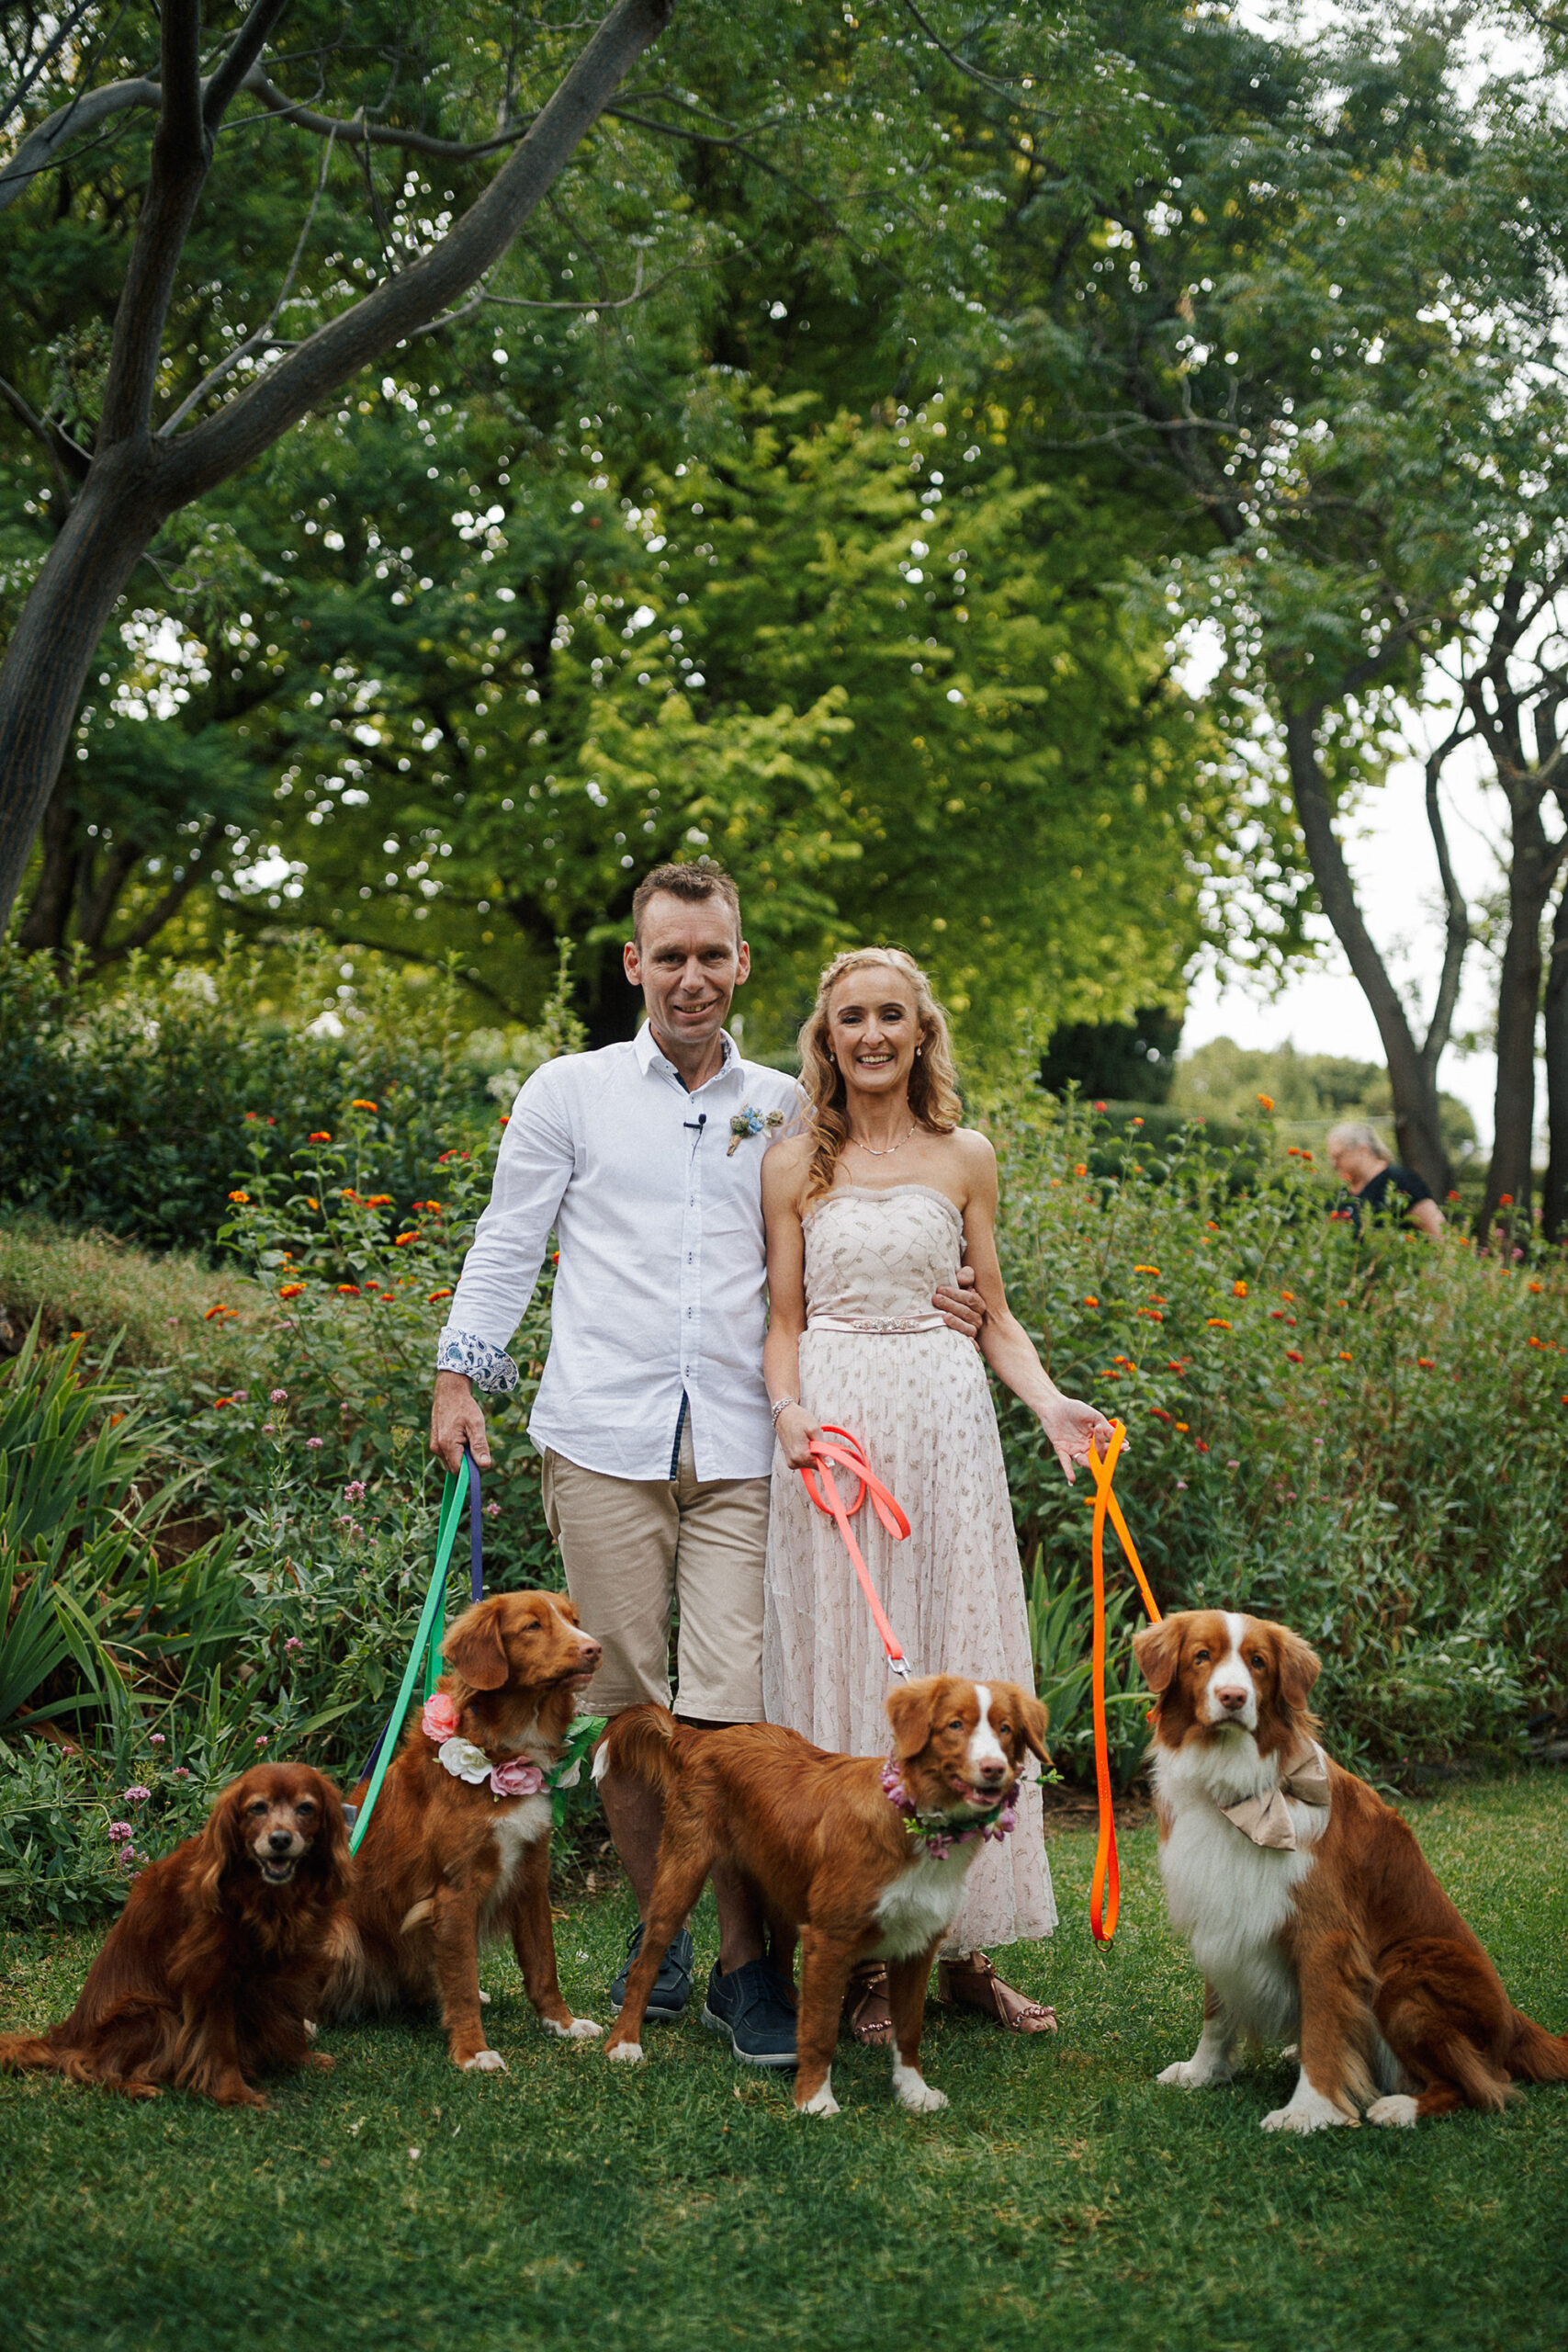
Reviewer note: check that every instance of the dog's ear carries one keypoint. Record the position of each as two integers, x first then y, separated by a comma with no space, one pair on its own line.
1300,1666
219,1845
331,1838
1157,1649
474,1647
911,1711
1032,1718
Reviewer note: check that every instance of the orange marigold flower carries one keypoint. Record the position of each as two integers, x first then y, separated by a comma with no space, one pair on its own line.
1079,1169
1146,1270
378,1201
1428,1363
310,1203
348,1290
360,1103
1290,1297
1218,1323
1182,1426
403,1239
1346,1357
222,1400
1292,1355
1238,1290
1535,1285
439,1293
239,1196
1091,1302
1153,1313
212,1311
291,1290
1266,1101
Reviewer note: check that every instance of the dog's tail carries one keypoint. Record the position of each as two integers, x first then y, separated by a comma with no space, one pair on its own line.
22,2052
1536,2055
645,1742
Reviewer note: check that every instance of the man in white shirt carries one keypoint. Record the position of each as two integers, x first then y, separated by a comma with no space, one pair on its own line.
652,1417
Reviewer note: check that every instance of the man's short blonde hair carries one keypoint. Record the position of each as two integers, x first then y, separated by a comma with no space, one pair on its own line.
1361,1136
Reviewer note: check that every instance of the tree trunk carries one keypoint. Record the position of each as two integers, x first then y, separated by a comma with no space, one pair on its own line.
48,917
117,513
1554,1201
1532,870
1416,1117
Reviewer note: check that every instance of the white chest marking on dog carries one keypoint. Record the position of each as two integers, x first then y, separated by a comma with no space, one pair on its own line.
515,1827
921,1903
1229,1898
984,1747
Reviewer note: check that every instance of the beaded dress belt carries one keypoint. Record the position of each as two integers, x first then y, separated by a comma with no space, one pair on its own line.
874,1323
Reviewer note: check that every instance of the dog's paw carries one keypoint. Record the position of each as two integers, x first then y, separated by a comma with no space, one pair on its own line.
625,2054
1398,2108
1308,2111
1189,2075
912,2091
485,2061
822,2102
484,1998
309,2025
574,2029
319,2059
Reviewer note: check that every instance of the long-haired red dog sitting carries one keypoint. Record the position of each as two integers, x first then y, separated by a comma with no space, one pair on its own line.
210,1972
864,1857
457,1851
1310,1907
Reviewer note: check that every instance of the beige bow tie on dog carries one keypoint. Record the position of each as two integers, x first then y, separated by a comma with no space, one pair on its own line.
1267,1820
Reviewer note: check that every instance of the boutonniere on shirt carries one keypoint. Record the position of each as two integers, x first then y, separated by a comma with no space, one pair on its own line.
748,1123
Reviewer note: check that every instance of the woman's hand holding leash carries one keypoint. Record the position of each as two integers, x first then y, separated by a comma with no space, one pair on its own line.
798,1434
1073,1429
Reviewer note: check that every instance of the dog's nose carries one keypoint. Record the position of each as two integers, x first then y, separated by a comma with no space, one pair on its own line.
279,1840
594,1651
993,1770
1232,1698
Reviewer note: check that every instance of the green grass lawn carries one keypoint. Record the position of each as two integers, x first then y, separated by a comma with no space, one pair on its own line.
1062,2200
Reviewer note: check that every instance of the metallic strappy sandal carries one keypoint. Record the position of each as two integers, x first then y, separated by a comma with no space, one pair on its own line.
866,2010
971,1981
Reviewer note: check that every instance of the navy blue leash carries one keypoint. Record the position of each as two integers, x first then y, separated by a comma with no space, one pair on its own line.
476,1581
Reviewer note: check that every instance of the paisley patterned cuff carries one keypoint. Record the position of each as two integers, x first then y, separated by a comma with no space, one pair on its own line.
490,1368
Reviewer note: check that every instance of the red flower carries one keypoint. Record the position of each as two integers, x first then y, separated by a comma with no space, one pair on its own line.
1201,1444
348,1290
1428,1363
1159,1413
291,1290
1504,1200
439,1293
321,1135
403,1239
1292,1355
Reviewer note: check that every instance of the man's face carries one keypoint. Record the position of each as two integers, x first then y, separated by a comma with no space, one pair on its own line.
688,963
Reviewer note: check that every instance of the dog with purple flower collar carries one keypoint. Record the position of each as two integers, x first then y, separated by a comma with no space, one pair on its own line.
858,1858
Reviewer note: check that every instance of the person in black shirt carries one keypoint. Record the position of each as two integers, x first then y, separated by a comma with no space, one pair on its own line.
1376,1185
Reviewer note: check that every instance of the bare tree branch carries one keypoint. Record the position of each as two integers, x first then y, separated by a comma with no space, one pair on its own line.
180,150
1456,914
240,63
69,20
69,462
358,132
142,934
42,148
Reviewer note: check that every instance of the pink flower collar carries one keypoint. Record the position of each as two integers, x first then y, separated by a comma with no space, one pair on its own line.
518,1776
937,1832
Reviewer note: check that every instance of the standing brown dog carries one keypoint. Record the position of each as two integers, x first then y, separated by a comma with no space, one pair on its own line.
220,1956
457,1853
865,1856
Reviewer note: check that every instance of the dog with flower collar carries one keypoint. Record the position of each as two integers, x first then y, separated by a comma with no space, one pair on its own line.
858,1857
457,1853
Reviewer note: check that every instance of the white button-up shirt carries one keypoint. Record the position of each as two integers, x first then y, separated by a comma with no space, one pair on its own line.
660,1289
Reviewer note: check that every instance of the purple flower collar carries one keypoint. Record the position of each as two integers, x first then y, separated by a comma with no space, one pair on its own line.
935,1833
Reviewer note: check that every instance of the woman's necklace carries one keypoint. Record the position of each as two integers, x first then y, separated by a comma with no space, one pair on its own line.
883,1151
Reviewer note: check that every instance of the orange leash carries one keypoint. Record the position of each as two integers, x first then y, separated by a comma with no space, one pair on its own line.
1105,1887
850,1454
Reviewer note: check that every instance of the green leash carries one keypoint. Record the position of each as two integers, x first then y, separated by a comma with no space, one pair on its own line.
427,1640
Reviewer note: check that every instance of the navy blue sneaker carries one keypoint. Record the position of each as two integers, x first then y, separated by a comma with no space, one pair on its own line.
671,1986
755,2006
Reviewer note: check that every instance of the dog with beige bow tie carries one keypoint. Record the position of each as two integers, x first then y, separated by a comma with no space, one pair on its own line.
1307,1901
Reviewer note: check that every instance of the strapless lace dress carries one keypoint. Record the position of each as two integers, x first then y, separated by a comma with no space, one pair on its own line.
878,1360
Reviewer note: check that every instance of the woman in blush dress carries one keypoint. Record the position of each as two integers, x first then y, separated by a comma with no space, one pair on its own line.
873,1204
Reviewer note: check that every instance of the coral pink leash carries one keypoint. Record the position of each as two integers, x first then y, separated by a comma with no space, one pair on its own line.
850,1454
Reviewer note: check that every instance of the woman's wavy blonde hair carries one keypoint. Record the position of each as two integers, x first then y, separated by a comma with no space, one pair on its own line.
933,1082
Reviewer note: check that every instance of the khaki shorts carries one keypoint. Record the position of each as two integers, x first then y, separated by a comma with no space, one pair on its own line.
630,1548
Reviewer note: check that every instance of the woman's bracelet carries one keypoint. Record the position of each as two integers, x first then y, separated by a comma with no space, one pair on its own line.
782,1405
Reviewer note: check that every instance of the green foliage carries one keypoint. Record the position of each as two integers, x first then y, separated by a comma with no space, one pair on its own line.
1311,1093
136,1107
1364,1438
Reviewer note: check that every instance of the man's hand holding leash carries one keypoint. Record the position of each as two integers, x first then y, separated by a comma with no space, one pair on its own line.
456,1420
